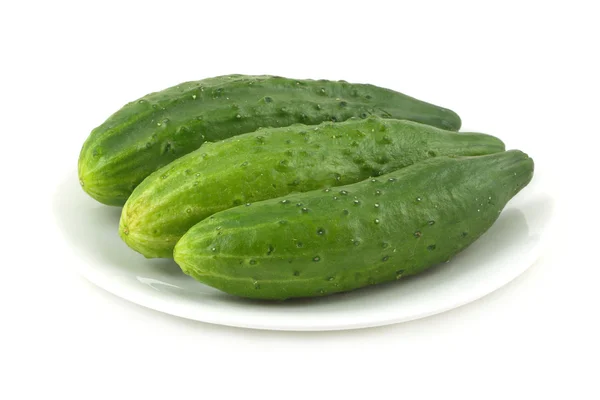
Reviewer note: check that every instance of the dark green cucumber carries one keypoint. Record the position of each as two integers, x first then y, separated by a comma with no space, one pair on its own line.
152,131
274,162
335,240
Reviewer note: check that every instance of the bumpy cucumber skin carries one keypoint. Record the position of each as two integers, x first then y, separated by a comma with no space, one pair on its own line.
274,162
379,230
160,127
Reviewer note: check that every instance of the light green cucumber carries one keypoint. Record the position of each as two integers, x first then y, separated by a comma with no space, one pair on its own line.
274,162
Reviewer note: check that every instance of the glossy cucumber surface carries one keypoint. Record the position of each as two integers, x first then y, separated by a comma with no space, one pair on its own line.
340,239
160,127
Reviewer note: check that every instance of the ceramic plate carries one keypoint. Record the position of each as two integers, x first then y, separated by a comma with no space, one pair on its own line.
504,252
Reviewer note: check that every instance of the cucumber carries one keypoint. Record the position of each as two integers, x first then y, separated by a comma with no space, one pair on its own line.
274,162
335,240
158,128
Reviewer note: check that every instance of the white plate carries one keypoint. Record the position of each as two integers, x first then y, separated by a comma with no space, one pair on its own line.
503,253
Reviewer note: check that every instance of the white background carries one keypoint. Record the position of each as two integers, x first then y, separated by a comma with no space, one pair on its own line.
525,67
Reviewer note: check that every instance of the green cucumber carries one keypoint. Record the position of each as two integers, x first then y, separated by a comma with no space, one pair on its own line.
370,232
150,132
274,162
